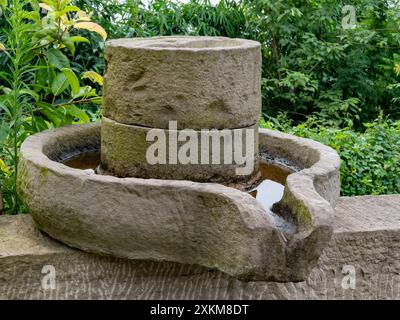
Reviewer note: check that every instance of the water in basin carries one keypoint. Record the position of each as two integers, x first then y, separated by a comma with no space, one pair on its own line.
84,161
267,192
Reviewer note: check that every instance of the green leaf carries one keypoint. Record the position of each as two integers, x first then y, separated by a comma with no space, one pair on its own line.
66,10
64,3
31,15
91,26
59,84
57,59
79,39
44,77
73,81
42,74
69,44
53,117
78,113
4,169
87,92
4,107
97,100
29,92
39,124
4,129
51,113
93,76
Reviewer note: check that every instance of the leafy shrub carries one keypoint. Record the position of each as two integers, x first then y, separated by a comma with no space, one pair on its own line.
39,86
135,18
370,160
310,63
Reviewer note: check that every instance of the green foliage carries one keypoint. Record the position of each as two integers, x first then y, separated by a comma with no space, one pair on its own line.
370,159
39,86
133,18
310,63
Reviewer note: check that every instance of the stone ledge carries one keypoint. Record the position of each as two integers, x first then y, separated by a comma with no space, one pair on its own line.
367,237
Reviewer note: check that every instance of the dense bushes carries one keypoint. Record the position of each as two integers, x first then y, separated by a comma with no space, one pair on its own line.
40,84
311,64
370,159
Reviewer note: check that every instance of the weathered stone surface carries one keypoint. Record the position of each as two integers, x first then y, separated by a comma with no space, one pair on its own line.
182,221
201,82
124,154
366,238
368,213
309,197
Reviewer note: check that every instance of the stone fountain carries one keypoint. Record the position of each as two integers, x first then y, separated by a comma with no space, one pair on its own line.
184,89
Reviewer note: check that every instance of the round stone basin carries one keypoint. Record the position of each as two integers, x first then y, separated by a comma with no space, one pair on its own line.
208,224
267,188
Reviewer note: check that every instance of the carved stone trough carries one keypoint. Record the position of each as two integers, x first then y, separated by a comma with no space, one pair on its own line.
184,220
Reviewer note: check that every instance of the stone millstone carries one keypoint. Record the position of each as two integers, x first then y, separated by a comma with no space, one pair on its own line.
124,149
201,82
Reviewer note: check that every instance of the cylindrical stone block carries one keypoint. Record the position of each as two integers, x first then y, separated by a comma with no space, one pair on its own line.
199,155
200,82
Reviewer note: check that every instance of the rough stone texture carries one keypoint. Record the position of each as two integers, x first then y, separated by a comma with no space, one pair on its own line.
312,158
366,236
381,213
182,221
124,148
309,197
201,82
